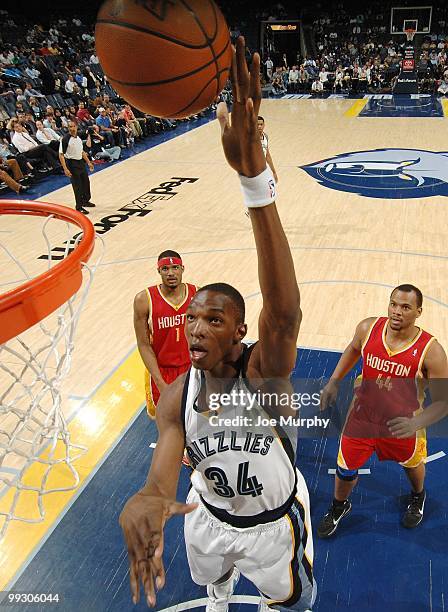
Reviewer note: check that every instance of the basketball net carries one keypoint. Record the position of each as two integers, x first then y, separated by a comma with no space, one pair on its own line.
35,442
410,34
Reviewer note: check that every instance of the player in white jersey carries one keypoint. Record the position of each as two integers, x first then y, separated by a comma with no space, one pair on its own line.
248,509
265,144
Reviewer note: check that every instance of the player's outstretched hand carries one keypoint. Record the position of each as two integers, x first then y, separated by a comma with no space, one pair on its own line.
240,138
142,521
328,395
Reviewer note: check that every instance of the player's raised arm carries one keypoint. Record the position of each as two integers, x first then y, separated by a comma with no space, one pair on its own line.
280,316
145,513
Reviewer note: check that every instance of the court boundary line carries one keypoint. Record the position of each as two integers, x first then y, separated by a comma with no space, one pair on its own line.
196,603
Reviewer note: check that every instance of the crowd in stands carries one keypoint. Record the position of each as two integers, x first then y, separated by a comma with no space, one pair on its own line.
355,52
49,76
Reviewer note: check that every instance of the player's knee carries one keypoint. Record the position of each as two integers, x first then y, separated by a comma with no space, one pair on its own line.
345,474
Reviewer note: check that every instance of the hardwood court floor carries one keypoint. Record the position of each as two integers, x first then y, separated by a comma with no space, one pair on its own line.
348,250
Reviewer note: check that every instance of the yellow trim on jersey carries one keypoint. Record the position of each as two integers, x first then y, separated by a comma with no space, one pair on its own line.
175,306
405,348
368,335
420,452
420,383
149,315
423,355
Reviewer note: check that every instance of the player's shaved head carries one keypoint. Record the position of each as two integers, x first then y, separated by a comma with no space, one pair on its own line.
233,294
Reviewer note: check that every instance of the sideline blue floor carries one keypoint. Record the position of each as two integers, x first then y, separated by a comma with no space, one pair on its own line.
372,565
403,106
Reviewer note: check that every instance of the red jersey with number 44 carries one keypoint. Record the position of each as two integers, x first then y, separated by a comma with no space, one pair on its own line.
167,324
392,381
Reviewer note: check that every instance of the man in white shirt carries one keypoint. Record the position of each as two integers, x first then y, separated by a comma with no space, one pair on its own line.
69,84
25,144
293,79
47,136
269,66
317,87
74,159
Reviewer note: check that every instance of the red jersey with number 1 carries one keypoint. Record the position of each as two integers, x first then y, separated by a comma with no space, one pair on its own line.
391,380
167,323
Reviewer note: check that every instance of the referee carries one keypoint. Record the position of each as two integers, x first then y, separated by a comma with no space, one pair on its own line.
74,159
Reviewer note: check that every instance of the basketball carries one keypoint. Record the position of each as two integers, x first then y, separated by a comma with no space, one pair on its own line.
169,58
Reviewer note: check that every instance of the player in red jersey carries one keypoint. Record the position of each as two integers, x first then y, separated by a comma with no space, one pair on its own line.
159,319
386,415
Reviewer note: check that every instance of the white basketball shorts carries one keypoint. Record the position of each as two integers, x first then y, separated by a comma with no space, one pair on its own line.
276,557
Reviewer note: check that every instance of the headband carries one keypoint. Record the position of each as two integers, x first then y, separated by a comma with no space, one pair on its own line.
169,261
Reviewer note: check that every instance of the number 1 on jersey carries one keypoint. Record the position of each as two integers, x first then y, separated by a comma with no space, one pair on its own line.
177,334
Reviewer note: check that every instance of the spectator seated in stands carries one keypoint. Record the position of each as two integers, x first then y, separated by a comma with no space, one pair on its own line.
20,97
32,93
7,156
132,122
96,146
35,109
83,115
11,182
25,144
107,129
443,86
293,79
47,136
69,86
278,88
317,87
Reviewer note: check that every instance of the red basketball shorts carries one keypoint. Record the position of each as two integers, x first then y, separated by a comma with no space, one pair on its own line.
169,375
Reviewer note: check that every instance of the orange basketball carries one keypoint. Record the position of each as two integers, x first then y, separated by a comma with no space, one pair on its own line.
168,58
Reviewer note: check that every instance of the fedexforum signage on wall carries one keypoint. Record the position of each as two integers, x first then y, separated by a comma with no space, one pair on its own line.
136,208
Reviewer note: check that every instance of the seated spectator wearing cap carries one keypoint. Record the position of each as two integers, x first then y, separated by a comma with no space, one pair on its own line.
47,136
25,144
107,129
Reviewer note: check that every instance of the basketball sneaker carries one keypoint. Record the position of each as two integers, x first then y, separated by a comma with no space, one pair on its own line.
414,512
330,522
219,594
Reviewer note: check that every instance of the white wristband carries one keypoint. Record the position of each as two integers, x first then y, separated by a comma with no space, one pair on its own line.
258,190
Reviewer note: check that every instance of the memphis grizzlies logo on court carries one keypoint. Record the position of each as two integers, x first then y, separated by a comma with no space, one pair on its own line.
385,173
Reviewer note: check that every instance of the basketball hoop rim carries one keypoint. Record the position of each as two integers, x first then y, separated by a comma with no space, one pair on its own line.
410,33
26,305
